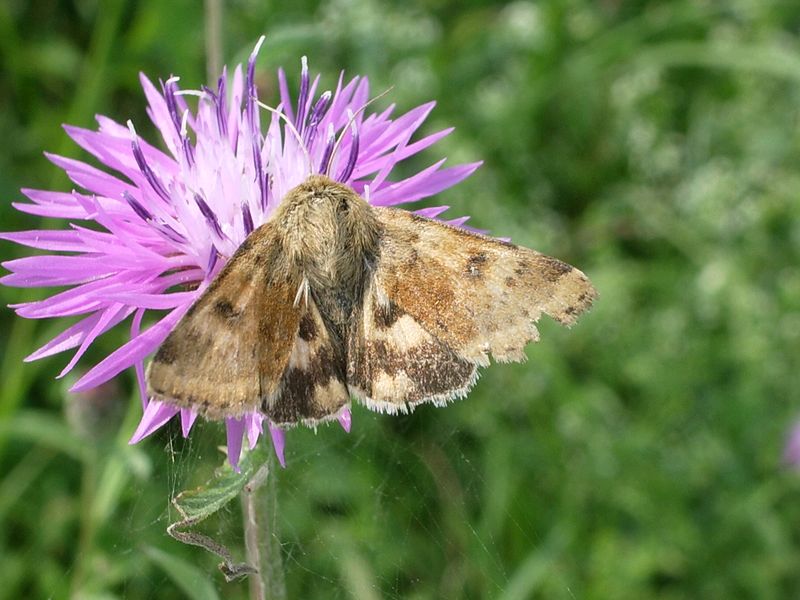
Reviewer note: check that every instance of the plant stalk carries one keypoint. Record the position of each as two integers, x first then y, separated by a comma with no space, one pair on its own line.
262,544
213,22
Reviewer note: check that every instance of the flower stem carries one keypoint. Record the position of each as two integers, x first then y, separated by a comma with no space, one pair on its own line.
213,14
260,512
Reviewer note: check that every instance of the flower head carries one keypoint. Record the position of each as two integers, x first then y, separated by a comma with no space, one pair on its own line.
151,233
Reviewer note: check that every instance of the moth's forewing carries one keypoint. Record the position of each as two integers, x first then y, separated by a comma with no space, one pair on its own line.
470,295
232,346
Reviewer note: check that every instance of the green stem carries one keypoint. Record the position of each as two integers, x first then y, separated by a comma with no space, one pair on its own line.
262,544
86,535
92,85
213,14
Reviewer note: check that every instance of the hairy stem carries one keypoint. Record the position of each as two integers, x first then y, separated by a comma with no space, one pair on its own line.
260,512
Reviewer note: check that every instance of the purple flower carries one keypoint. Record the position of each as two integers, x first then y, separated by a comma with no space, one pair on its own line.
151,235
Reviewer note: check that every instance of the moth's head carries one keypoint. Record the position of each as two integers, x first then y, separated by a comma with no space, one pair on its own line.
317,189
321,214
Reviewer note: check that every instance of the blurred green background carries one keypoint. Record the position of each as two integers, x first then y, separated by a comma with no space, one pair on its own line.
653,144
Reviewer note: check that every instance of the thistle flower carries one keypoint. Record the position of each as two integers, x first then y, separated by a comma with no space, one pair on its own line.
152,235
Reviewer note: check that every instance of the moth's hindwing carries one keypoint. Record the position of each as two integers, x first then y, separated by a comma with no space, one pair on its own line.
395,364
312,387
476,295
232,346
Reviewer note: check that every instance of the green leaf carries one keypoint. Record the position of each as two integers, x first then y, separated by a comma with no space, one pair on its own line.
202,502
199,504
191,580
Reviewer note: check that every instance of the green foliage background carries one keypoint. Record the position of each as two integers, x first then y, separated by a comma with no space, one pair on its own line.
653,143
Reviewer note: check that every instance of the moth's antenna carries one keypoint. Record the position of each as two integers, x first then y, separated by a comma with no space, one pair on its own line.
349,123
292,128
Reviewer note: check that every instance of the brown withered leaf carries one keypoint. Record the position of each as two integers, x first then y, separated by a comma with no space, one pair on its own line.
335,298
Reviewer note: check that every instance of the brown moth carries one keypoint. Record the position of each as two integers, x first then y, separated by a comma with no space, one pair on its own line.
333,298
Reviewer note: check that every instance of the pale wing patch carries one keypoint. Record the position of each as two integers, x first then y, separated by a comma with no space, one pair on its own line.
312,387
477,295
394,364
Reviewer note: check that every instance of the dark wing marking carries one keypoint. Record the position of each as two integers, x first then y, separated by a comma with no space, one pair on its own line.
395,364
312,387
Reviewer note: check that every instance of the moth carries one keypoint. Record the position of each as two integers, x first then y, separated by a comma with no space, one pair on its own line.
333,298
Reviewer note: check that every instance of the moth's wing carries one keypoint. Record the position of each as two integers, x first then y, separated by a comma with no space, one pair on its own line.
475,294
232,347
394,363
312,387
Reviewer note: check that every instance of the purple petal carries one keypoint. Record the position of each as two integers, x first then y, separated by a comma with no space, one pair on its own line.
324,163
459,222
159,114
150,175
396,136
369,164
129,353
67,339
46,239
51,210
54,269
115,151
286,97
237,89
345,419
337,114
77,300
360,96
188,417
211,217
302,97
344,176
155,301
425,183
136,328
106,318
235,431
278,442
254,428
48,197
111,127
155,415
73,336
317,114
220,103
431,212
92,179
247,220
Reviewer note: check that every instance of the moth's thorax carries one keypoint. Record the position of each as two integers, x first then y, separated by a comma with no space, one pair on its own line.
329,234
